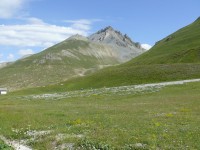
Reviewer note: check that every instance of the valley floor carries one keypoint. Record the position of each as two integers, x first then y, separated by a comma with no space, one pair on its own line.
151,116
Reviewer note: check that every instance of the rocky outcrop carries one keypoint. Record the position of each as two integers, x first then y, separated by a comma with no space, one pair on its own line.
122,43
110,36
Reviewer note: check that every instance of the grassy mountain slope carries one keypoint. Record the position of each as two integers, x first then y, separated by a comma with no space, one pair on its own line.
122,76
176,57
183,46
67,59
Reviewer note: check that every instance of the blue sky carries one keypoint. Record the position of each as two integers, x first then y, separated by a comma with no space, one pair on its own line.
29,26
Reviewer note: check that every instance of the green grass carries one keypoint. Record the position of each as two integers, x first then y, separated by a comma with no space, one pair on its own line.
3,146
168,119
123,75
131,75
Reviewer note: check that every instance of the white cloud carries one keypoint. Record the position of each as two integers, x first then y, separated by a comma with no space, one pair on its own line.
146,46
39,34
1,55
24,52
1,58
33,20
82,24
10,8
80,21
10,57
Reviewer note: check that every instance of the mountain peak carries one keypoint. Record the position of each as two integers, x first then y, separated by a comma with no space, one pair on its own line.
111,36
106,29
78,37
109,28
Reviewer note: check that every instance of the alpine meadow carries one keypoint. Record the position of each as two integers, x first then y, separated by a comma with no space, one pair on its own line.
85,84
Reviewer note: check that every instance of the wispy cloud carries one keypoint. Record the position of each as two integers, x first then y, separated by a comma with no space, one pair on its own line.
80,21
38,33
10,8
146,46
83,24
1,58
33,20
1,55
24,52
10,57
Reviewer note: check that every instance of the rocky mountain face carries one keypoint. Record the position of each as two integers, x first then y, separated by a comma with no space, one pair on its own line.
122,44
75,56
111,36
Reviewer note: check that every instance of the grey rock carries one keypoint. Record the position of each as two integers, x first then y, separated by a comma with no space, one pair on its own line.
125,47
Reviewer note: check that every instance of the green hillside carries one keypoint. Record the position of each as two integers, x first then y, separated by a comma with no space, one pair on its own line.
70,58
183,46
122,76
176,57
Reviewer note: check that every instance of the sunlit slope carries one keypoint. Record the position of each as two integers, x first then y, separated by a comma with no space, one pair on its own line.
183,46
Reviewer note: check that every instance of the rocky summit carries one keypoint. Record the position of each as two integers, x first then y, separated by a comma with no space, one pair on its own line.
114,37
126,48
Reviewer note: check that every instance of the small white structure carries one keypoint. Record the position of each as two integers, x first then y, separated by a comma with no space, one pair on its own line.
3,91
